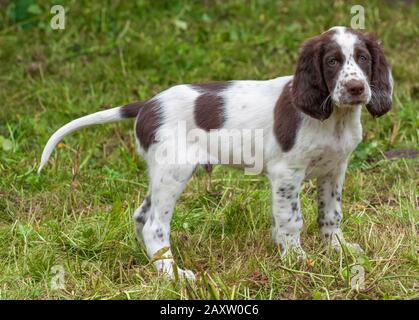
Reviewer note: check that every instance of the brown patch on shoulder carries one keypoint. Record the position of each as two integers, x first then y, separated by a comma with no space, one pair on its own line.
148,121
209,106
287,119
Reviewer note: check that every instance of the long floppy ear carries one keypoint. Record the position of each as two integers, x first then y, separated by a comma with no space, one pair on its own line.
381,79
309,89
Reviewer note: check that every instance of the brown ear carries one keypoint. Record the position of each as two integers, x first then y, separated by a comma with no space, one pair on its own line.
309,89
381,79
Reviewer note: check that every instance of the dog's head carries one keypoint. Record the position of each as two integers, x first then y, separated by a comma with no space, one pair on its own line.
341,68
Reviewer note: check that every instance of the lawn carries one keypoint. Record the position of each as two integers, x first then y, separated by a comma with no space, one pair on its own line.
77,214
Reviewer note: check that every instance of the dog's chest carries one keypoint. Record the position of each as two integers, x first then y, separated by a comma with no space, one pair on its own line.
328,150
323,159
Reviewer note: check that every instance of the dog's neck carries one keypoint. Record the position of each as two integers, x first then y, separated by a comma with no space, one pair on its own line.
341,118
346,112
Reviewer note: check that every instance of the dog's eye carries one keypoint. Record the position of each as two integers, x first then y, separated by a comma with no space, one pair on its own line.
362,58
332,62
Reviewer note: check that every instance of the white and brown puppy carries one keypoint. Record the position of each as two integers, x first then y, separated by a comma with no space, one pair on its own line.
310,122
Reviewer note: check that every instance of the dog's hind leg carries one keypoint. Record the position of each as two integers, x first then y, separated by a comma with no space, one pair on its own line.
140,217
167,183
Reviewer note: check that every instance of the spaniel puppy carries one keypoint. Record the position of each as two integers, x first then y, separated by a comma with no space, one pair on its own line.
310,124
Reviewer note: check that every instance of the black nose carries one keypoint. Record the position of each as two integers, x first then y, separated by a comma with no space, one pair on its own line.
355,87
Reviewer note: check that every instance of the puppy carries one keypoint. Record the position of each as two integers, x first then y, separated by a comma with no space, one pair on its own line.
308,125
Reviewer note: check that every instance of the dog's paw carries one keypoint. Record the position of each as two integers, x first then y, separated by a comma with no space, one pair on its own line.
296,252
175,273
299,254
186,274
336,241
352,247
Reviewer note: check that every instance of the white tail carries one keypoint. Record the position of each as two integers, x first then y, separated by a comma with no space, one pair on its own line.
100,117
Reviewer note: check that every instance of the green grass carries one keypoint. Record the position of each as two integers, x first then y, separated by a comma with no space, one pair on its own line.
78,212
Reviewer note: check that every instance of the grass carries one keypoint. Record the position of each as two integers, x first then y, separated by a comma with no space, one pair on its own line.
77,214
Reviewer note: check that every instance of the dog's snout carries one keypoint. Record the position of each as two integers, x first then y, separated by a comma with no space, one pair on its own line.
355,87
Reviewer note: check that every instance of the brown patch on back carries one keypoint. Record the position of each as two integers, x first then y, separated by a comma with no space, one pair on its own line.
209,106
214,86
148,121
287,119
131,110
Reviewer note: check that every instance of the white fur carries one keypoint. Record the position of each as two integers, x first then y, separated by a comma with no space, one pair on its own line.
100,117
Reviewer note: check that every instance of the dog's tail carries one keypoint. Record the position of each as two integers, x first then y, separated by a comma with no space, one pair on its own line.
111,115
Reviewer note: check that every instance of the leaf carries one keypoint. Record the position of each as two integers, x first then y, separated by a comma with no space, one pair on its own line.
317,295
206,18
180,24
364,262
234,35
34,9
310,262
7,145
20,10
24,230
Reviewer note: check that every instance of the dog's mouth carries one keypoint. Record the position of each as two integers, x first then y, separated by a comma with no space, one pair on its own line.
353,101
357,102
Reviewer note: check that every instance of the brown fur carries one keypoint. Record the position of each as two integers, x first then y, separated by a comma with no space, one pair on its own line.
380,79
214,86
209,106
309,87
330,74
148,121
131,110
287,119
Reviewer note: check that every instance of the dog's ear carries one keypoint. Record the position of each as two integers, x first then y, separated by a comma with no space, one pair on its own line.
309,90
381,81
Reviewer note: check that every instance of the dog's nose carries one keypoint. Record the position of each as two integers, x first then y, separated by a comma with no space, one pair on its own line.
355,87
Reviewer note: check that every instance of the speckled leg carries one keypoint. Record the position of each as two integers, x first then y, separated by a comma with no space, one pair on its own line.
167,184
330,208
140,217
286,213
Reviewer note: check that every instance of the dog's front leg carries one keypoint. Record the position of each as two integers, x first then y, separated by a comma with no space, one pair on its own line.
286,212
330,207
